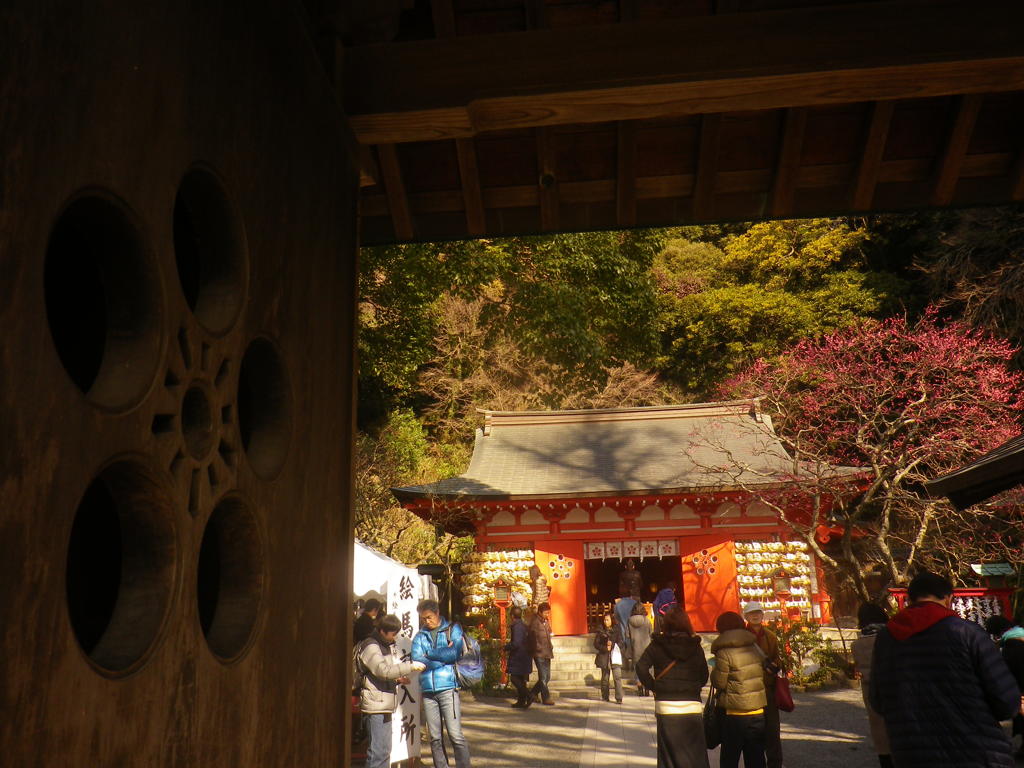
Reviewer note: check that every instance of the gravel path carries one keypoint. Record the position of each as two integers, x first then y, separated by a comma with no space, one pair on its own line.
828,729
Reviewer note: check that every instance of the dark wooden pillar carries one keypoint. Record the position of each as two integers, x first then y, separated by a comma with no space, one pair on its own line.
177,277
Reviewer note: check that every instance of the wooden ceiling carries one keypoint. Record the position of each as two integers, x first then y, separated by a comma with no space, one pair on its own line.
502,117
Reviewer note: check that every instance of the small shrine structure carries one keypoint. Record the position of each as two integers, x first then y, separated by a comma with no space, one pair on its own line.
679,489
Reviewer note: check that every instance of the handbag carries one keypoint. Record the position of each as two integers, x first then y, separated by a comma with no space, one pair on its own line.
616,656
783,696
712,720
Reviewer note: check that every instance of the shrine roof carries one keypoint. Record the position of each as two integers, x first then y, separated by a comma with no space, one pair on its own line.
587,453
998,470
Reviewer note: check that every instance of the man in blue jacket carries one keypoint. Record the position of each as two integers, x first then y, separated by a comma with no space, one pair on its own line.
438,646
941,685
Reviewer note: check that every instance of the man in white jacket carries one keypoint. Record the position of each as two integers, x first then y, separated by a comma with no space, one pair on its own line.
377,699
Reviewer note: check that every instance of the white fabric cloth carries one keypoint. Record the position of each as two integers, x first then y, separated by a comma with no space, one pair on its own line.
678,708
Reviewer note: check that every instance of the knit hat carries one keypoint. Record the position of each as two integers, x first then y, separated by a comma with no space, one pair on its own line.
752,606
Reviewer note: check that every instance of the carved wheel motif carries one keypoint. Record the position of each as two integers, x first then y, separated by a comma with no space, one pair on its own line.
195,419
705,563
561,568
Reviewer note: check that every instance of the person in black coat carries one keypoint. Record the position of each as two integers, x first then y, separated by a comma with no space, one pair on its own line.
367,621
520,662
610,653
674,667
941,685
1010,638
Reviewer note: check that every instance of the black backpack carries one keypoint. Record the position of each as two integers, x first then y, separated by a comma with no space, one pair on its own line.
358,669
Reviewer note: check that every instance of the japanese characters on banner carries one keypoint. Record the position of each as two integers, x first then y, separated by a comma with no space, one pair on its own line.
403,596
976,609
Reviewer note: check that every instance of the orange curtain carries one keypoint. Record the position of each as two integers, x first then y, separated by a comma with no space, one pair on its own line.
709,579
562,563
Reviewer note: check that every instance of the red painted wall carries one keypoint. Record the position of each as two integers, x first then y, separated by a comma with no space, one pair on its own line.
562,563
709,579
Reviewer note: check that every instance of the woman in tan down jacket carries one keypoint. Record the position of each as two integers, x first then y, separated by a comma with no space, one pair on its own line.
738,677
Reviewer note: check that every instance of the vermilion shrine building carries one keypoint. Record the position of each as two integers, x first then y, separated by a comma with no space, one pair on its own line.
678,488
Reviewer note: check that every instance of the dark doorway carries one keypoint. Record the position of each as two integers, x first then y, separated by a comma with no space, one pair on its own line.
603,577
603,581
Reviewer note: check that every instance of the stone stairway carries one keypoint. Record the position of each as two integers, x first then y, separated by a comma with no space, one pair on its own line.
573,666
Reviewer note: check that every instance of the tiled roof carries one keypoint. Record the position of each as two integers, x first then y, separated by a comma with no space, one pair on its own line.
546,454
998,470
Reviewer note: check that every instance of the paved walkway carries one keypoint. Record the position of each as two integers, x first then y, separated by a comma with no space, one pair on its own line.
828,729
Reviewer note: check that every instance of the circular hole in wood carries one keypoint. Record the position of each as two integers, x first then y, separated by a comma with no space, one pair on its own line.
197,422
264,408
229,584
103,301
120,566
210,251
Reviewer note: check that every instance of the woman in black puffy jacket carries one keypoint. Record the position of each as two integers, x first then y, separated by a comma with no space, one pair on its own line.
674,667
609,646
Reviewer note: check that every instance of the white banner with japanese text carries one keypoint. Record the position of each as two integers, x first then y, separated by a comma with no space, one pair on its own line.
403,596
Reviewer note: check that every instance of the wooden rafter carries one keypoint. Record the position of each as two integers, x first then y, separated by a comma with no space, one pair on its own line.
547,182
369,172
444,18
536,14
1017,178
394,188
673,186
625,180
862,191
435,89
707,167
628,10
947,171
476,223
788,164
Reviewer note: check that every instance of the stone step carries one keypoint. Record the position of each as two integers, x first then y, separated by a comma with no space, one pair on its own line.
587,676
575,656
582,675
565,665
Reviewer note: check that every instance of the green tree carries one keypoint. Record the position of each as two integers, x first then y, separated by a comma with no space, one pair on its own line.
582,301
755,293
477,366
400,454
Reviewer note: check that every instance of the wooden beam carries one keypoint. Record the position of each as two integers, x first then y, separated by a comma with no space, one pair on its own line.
547,181
536,14
444,18
947,172
628,10
473,199
1017,178
996,166
625,176
788,164
707,167
436,89
862,191
394,188
369,172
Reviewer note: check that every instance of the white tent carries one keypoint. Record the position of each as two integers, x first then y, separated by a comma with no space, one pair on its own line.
371,571
399,588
